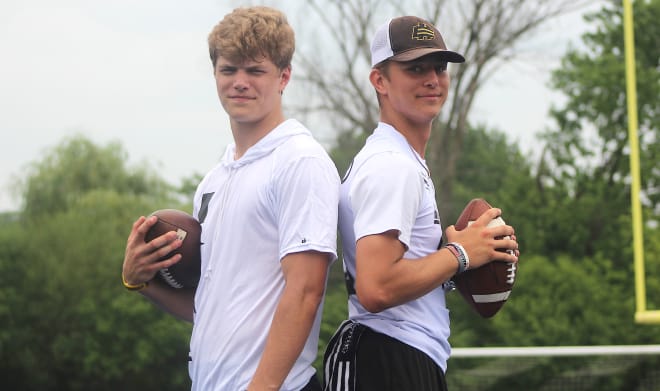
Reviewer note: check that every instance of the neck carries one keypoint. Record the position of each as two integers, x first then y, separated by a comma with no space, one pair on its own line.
416,135
247,134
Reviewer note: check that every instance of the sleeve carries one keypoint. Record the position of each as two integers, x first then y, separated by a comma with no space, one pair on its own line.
385,195
306,203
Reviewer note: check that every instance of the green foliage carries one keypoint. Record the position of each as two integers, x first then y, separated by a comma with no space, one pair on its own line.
494,169
335,311
68,323
574,284
346,147
556,302
74,167
652,267
590,143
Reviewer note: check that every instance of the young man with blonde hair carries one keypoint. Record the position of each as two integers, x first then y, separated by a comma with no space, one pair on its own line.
397,334
268,212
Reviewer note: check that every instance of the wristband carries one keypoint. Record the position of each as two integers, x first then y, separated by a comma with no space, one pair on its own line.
131,287
461,256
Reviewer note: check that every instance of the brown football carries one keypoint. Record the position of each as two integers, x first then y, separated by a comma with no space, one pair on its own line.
486,288
185,273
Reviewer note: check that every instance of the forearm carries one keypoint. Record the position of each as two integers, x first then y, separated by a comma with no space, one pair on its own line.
410,279
177,302
404,280
290,328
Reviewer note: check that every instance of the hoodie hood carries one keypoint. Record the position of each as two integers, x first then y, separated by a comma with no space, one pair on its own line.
276,137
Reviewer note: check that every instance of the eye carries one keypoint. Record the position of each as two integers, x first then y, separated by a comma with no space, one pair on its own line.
226,70
256,71
416,68
439,68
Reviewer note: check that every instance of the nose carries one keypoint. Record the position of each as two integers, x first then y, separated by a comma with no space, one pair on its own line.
432,79
431,83
240,86
240,82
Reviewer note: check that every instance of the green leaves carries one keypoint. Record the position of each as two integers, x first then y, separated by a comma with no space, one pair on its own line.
68,323
591,138
76,166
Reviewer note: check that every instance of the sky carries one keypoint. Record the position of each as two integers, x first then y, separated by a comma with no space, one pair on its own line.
137,73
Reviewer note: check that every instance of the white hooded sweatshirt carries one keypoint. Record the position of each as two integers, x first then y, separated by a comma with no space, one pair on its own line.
280,197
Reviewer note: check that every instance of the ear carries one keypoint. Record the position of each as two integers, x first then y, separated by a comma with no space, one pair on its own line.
377,80
285,77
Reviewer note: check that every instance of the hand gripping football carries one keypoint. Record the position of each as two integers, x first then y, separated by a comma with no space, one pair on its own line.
185,273
488,287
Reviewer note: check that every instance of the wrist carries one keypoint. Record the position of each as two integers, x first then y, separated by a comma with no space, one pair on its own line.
132,287
461,256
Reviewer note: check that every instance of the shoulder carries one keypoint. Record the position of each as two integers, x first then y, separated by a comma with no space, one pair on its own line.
301,146
383,171
384,163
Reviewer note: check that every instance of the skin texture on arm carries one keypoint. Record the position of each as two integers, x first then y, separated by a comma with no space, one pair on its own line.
305,275
385,279
140,265
177,302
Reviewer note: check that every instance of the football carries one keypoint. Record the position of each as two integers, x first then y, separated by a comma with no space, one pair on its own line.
486,288
185,273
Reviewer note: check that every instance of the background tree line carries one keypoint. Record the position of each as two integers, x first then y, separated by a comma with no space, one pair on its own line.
67,323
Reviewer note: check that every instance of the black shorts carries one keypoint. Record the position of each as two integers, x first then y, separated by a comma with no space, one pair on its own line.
313,385
387,364
365,360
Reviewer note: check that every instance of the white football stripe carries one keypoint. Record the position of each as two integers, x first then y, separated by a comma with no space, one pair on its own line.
491,298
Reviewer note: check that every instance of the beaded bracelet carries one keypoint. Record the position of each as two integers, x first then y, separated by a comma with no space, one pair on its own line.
461,256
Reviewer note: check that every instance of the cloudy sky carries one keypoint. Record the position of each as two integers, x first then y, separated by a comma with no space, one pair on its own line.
137,72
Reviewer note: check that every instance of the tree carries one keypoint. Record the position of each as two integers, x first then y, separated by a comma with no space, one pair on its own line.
77,166
68,323
575,287
586,155
495,169
337,88
562,301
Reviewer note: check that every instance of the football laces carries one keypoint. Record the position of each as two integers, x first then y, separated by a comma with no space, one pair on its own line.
511,273
169,278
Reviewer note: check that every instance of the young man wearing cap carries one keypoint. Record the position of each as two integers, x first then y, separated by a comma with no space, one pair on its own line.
397,334
268,212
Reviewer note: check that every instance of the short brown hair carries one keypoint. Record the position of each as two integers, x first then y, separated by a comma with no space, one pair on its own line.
252,33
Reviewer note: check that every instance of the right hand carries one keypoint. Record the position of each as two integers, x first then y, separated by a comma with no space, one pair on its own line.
141,259
482,243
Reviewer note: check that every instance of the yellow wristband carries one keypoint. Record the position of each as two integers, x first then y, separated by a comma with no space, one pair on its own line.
132,287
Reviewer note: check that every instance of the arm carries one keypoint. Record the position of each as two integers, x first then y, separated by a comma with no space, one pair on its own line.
140,265
385,279
177,302
305,277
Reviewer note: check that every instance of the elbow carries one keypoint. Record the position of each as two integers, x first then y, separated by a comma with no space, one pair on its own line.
374,300
311,298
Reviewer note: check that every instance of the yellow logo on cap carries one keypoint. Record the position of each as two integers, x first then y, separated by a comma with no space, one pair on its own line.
422,32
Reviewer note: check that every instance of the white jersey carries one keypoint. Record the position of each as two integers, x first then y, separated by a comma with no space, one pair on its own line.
388,187
279,198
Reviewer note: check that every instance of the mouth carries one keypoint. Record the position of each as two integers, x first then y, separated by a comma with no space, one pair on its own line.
431,96
240,97
431,99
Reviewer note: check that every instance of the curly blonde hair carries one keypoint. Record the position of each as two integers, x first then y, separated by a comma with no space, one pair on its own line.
253,33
